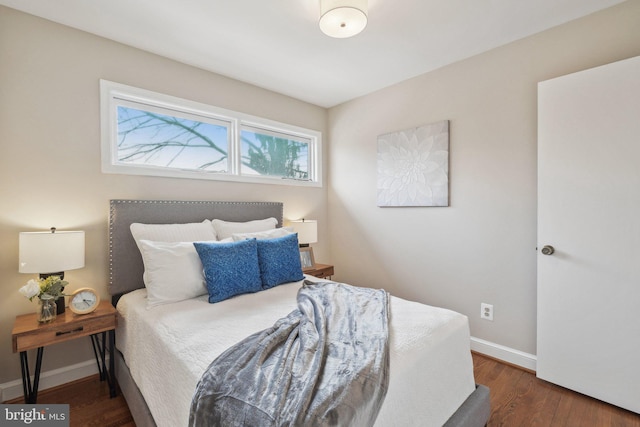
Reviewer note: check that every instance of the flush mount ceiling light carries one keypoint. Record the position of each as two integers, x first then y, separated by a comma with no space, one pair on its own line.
343,18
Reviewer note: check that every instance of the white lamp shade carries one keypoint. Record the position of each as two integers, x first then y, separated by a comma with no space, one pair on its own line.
307,231
343,18
47,252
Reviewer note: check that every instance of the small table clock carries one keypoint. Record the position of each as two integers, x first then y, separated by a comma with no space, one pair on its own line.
84,301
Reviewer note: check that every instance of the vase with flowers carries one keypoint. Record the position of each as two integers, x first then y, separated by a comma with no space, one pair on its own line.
47,290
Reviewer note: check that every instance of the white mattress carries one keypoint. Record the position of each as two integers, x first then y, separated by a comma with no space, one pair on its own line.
167,348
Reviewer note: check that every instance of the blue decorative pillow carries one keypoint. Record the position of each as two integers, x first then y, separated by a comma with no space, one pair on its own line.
230,268
279,260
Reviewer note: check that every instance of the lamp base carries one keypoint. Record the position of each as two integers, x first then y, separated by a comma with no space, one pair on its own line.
60,306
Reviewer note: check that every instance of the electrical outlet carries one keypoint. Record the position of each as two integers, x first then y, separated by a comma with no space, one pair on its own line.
486,311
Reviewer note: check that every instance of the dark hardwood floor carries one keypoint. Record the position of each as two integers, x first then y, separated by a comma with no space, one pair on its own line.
89,403
518,398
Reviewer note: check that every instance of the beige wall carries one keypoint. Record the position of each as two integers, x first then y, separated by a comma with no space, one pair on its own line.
483,247
50,153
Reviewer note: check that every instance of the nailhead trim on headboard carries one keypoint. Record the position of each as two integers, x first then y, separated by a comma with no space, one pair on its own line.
125,268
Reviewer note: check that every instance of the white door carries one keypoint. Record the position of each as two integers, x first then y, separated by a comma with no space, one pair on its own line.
589,212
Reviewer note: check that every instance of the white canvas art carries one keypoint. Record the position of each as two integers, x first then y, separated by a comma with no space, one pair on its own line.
413,166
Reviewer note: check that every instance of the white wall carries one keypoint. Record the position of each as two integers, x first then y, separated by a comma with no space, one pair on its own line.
50,153
483,247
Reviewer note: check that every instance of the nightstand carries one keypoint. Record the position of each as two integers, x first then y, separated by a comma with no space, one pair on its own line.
28,334
324,271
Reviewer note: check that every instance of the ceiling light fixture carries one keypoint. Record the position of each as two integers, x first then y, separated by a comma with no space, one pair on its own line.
343,18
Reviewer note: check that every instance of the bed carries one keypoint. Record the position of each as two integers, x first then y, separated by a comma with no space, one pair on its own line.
163,351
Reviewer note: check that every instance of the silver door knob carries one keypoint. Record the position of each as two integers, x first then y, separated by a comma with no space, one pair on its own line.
548,250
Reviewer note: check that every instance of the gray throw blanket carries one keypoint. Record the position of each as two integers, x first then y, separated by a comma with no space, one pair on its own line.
325,364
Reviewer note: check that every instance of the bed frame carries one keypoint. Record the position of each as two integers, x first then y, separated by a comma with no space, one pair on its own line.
126,268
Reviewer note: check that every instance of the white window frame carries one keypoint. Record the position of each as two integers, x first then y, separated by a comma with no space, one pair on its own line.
114,94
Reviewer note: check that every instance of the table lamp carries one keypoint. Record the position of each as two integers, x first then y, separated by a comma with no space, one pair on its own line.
51,253
307,233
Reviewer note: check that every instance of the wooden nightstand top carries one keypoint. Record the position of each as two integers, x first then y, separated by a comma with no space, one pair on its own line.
28,333
320,270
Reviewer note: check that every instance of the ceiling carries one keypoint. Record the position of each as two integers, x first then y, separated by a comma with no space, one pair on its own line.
277,45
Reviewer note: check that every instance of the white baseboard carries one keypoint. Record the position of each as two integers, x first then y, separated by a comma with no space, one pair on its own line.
506,354
12,389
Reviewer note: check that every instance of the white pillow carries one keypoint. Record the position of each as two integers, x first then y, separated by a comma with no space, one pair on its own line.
226,229
192,232
262,235
172,272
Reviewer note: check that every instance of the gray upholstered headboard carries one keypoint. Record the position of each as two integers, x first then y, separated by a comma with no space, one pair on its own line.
125,261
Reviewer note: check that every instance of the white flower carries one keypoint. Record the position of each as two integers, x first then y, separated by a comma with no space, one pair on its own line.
31,289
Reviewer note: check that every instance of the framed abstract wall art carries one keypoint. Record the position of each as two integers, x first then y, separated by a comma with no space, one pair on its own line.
413,166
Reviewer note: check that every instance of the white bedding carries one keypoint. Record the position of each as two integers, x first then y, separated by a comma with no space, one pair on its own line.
168,347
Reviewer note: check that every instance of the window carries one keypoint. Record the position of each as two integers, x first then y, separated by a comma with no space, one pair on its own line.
147,138
147,133
276,154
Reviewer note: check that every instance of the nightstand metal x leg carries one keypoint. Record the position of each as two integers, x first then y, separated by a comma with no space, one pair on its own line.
99,350
30,390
